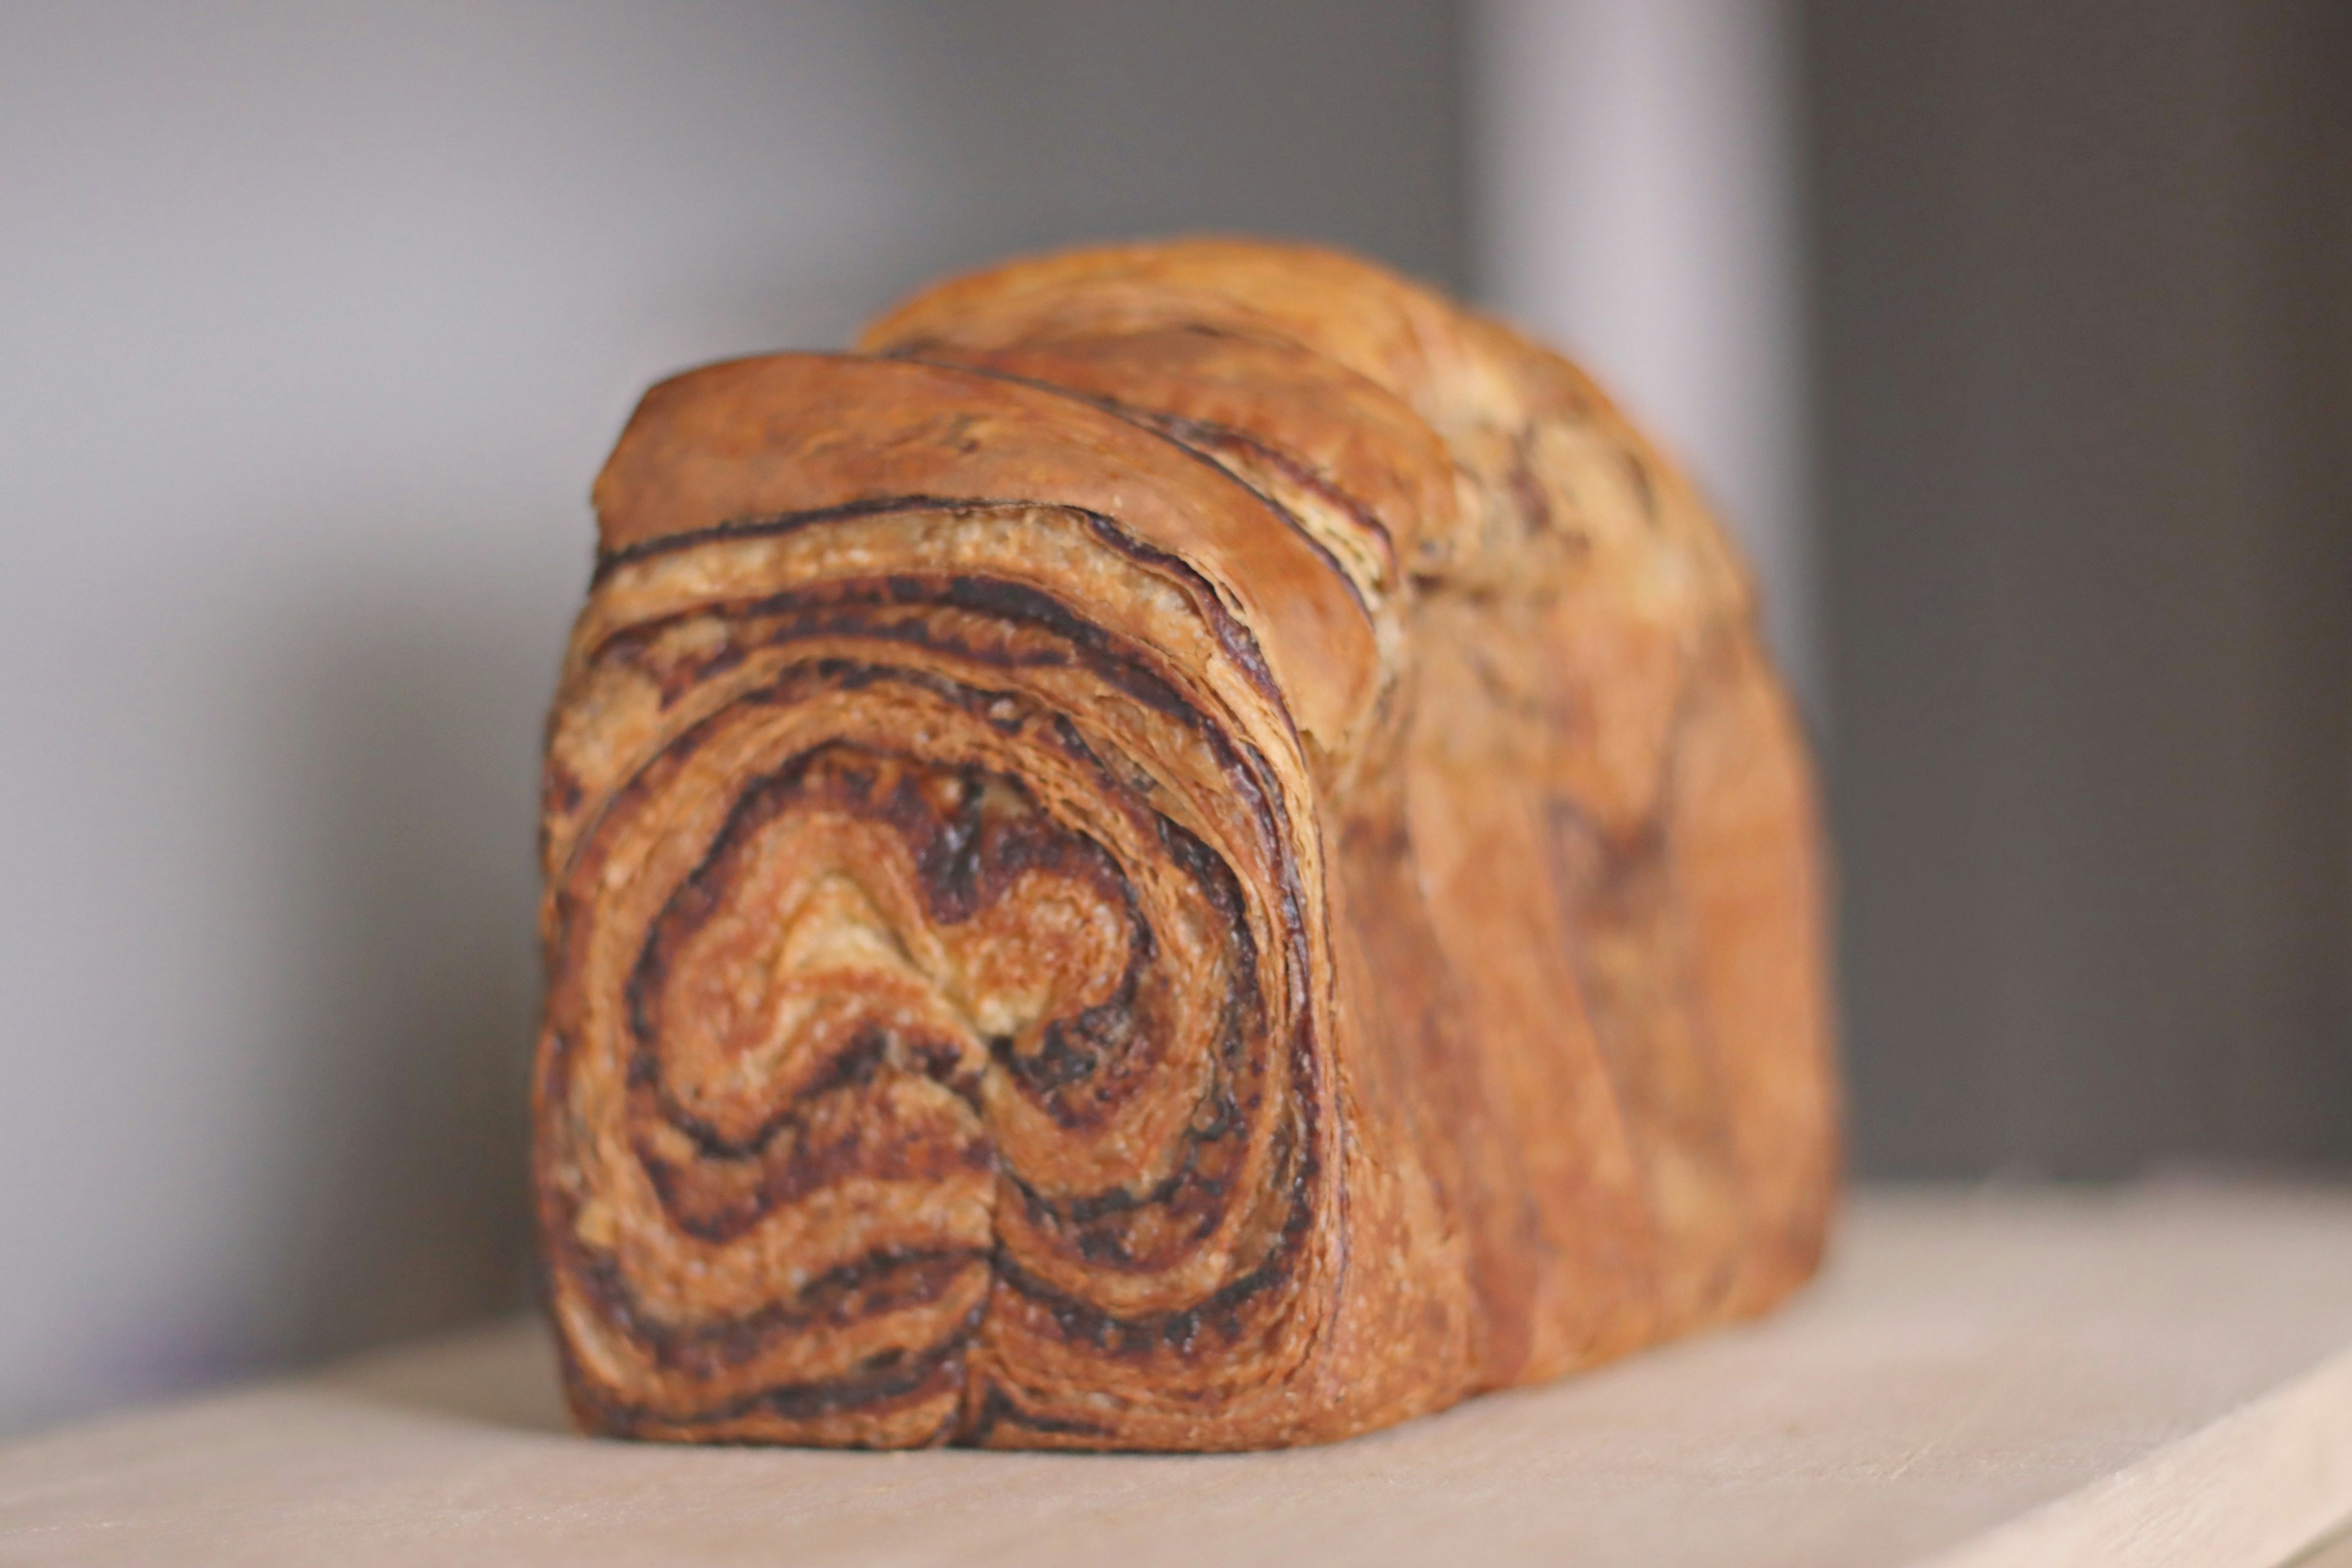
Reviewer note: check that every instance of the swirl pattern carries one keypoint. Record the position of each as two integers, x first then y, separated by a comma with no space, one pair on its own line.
1075,918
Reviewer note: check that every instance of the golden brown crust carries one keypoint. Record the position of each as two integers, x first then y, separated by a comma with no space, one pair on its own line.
1198,854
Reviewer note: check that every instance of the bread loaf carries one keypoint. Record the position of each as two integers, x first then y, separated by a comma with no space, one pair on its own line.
1193,849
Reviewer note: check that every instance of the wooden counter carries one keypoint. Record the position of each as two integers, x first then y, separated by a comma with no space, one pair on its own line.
2138,1376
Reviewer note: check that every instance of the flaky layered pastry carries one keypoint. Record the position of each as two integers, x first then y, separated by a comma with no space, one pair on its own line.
1193,849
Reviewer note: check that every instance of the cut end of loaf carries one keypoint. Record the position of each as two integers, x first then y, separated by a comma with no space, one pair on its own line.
905,1042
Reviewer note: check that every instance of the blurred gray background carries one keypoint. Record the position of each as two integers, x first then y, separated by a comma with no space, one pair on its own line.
2015,338
2082,293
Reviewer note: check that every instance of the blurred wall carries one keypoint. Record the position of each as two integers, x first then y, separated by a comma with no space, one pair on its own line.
1635,172
2084,309
317,320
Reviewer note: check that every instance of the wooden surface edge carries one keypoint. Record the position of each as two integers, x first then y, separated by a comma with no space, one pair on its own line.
2254,1489
2335,1551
